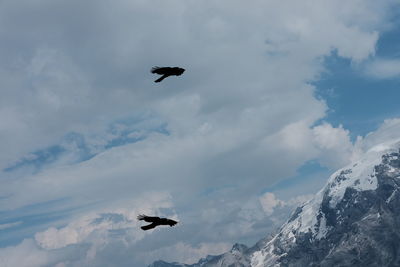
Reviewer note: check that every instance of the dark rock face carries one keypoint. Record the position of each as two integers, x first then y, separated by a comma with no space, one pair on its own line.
353,221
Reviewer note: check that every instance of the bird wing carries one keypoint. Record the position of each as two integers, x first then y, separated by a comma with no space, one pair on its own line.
145,218
148,227
161,78
160,70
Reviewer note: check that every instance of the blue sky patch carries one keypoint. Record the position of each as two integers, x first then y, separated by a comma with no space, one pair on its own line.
357,101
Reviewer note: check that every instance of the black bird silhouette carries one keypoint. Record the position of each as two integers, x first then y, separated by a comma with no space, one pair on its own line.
166,71
155,221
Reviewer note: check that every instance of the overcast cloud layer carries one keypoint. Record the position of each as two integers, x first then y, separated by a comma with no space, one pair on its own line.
85,130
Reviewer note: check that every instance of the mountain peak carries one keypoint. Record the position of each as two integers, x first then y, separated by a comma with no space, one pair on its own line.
348,221
352,220
239,247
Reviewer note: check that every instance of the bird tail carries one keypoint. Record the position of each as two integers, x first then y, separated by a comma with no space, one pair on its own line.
161,78
154,69
141,217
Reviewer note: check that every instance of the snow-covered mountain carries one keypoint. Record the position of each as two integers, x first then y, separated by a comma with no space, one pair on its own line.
353,221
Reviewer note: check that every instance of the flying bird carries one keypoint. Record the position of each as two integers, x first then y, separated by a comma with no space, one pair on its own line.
166,71
155,221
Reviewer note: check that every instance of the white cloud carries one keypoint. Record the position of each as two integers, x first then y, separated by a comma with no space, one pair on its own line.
334,145
388,132
269,202
383,68
74,74
185,253
331,146
26,254
240,118
9,225
96,226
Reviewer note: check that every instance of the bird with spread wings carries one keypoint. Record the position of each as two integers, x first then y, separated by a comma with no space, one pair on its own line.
155,221
166,72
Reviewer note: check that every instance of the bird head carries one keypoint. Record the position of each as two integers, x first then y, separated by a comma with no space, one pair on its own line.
179,71
172,222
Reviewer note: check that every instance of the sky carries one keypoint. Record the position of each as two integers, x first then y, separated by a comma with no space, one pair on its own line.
276,96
